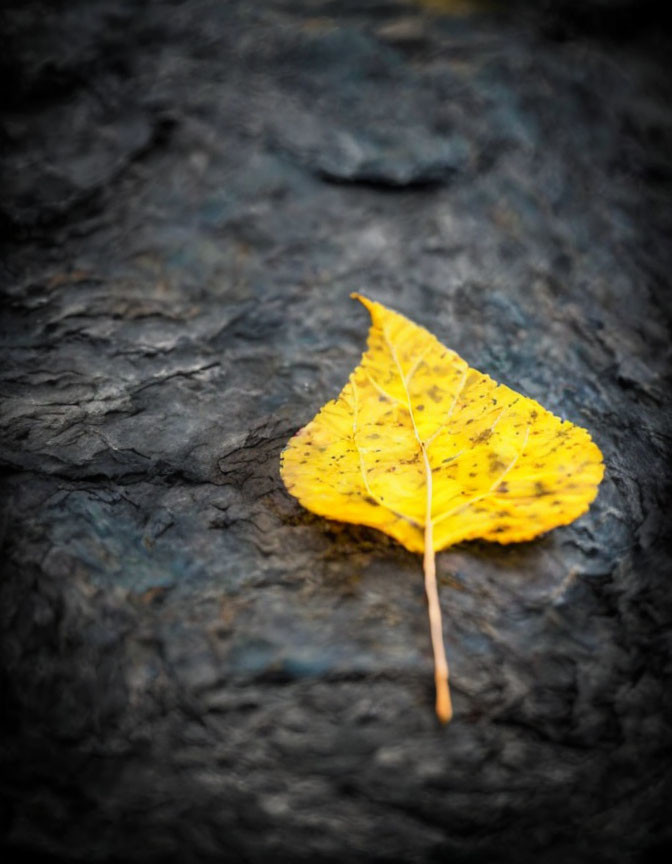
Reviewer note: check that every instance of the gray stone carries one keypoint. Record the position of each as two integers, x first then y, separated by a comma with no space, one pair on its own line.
193,667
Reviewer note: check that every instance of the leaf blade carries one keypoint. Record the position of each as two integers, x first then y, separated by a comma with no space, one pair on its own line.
503,468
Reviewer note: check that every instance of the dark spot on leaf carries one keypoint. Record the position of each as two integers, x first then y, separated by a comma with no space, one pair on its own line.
496,463
483,436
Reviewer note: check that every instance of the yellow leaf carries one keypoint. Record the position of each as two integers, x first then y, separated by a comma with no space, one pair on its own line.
420,445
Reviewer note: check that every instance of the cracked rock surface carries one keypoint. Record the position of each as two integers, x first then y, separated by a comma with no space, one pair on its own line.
194,669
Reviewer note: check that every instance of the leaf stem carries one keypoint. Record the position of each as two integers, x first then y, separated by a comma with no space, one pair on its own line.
444,707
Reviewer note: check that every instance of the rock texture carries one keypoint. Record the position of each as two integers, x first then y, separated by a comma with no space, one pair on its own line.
194,669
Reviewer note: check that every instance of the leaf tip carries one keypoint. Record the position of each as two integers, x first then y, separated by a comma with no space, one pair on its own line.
363,300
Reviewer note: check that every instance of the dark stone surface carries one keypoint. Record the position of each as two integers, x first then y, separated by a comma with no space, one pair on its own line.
194,669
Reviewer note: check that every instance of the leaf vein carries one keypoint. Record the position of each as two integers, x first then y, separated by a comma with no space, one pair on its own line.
362,464
489,492
443,424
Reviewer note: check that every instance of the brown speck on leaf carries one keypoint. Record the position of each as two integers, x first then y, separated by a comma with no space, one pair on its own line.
483,436
496,464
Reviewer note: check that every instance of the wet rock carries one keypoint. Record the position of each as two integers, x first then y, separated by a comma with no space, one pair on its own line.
337,127
193,667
